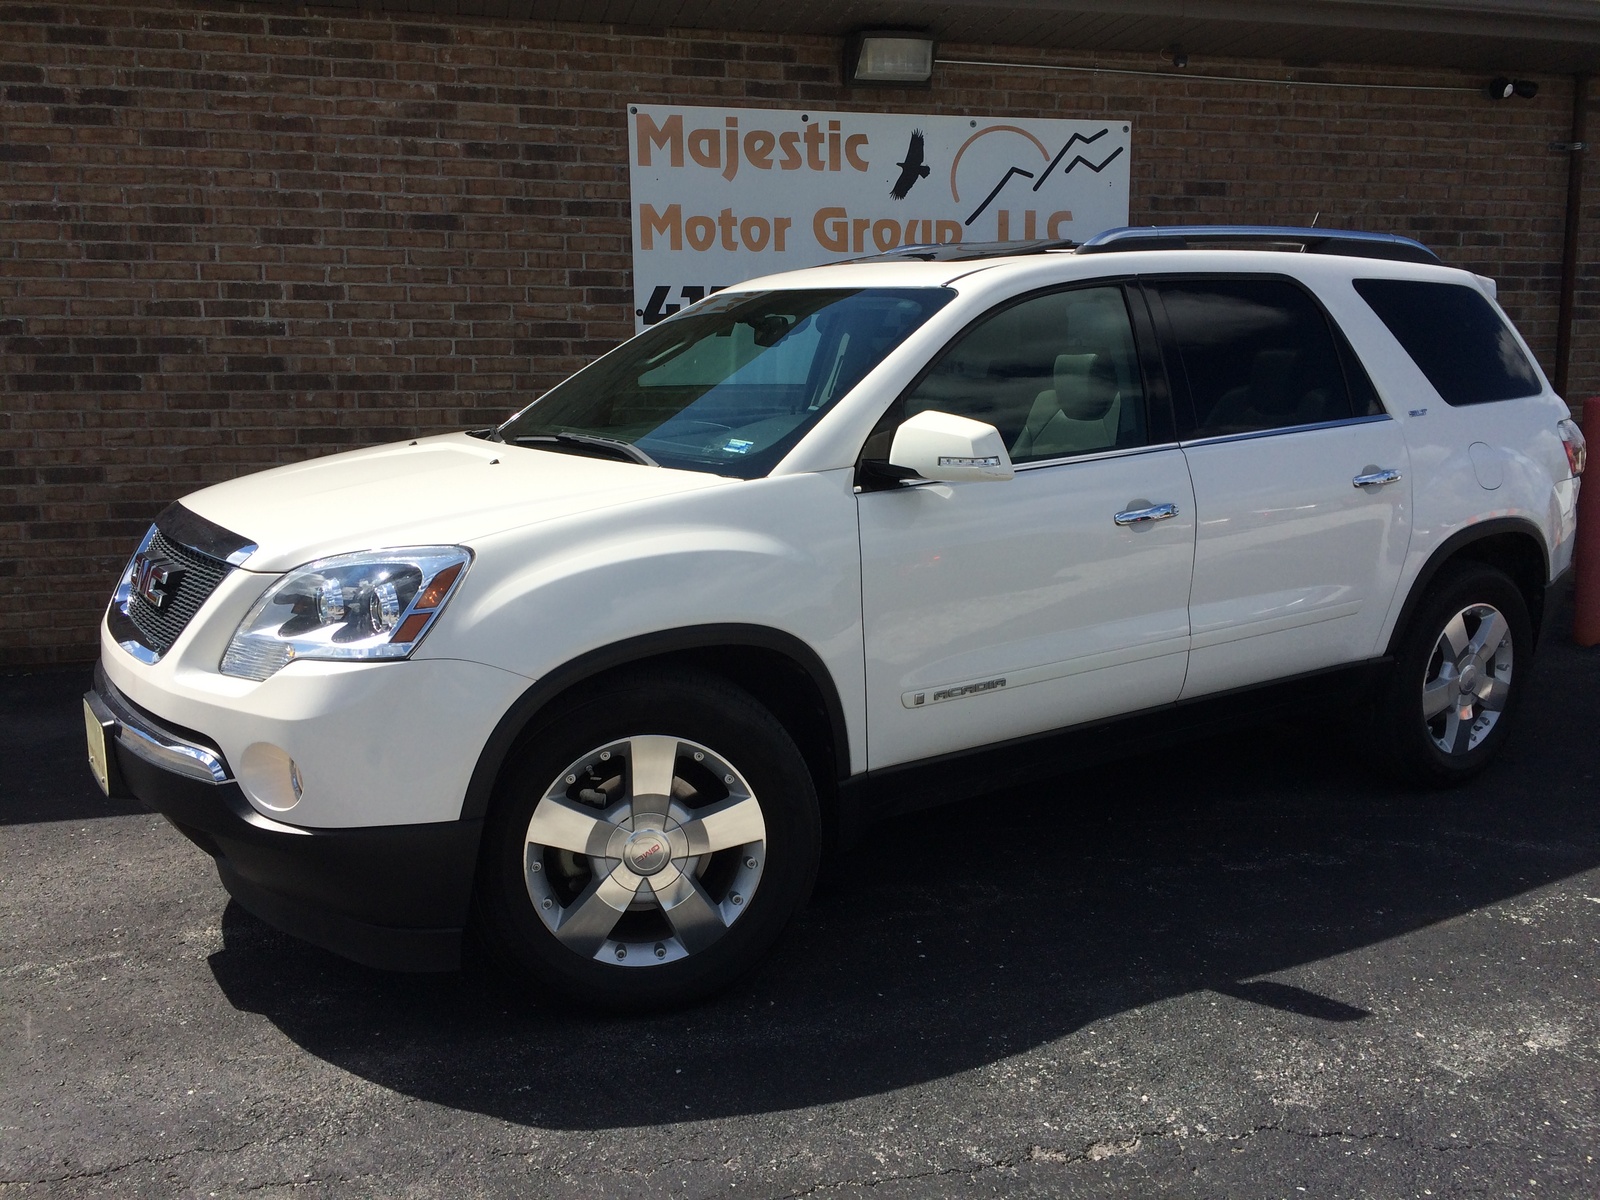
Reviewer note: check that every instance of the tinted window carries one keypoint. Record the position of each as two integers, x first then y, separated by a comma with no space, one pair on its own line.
1455,337
732,384
1257,353
1055,374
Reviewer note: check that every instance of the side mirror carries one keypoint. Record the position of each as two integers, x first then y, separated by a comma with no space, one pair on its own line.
950,449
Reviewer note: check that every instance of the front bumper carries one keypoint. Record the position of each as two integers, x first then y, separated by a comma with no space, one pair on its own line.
393,896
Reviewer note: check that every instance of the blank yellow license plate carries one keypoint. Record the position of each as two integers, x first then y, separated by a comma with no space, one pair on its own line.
98,762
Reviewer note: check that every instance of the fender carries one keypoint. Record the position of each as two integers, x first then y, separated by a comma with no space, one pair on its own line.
1452,546
638,649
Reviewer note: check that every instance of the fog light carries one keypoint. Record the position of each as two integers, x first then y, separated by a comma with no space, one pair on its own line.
270,777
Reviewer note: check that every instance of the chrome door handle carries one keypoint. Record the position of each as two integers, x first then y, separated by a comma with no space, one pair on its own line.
1143,516
1376,478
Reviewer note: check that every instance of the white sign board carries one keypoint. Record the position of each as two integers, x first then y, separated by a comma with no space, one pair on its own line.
725,194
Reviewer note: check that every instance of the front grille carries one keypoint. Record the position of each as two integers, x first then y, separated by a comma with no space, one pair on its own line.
198,578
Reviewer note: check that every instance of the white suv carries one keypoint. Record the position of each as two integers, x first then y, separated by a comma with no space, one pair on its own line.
601,683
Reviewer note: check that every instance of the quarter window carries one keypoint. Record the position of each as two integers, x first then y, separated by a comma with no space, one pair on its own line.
1057,375
1258,354
1455,337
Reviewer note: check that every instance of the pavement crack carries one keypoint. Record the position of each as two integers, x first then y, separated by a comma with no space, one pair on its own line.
147,1160
1320,1134
307,1181
911,1176
1097,1151
1104,1148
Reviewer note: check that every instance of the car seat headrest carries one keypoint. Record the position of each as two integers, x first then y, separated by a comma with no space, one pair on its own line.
1086,385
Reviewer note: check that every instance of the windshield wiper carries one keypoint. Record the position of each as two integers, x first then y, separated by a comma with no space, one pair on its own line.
616,448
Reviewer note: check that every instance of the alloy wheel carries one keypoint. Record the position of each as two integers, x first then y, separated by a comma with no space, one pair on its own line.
1468,678
644,851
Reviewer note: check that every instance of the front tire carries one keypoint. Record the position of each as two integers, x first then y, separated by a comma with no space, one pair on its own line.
1457,678
648,844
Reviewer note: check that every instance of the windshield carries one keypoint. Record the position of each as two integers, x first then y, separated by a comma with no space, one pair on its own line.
731,385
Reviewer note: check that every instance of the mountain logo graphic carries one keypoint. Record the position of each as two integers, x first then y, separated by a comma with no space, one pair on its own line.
1038,176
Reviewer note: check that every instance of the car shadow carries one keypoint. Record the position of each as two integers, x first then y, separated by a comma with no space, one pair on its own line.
954,938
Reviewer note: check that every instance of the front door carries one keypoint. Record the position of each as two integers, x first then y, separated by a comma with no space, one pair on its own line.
997,609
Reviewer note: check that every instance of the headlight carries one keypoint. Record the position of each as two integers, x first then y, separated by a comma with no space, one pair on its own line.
373,605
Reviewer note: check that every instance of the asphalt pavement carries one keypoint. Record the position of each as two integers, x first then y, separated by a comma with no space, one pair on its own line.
1247,968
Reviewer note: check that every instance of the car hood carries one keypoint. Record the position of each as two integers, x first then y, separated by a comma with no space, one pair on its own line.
445,490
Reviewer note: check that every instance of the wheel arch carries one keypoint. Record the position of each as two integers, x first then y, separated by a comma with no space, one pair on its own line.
1511,544
777,668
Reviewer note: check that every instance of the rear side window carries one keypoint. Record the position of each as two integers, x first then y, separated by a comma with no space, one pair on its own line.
1258,354
1455,337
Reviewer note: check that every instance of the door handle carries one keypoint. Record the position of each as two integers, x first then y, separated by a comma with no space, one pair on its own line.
1143,516
1373,477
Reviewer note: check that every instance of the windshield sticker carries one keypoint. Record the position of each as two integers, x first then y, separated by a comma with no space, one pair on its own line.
737,446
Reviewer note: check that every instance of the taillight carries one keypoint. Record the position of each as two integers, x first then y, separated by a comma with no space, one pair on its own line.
1577,449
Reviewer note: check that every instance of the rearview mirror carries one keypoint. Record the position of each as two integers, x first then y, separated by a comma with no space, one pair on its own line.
950,449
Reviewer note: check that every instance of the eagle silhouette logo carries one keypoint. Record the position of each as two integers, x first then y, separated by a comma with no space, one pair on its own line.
912,169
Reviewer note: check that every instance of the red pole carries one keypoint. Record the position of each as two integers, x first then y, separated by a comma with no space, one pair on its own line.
1586,550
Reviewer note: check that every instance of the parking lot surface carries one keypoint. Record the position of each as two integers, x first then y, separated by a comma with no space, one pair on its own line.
1249,967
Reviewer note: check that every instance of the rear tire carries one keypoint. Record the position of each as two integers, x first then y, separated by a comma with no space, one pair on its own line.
647,844
1457,678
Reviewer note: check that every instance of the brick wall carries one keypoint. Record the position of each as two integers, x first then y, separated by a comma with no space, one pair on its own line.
233,235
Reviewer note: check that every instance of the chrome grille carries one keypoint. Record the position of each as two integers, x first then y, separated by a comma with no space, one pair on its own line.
159,627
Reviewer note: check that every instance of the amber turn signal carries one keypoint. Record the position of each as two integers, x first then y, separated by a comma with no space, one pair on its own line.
433,595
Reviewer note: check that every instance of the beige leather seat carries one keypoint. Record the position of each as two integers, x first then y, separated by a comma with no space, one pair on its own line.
1079,414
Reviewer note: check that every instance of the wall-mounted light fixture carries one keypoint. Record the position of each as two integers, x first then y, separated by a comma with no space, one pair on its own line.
888,56
1501,88
1177,56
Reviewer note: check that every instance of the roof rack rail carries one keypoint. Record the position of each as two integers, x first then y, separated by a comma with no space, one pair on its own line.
1349,242
967,251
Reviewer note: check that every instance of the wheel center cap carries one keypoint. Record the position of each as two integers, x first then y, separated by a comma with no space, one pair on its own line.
1468,678
646,852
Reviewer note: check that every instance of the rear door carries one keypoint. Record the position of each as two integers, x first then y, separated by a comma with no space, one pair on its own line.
1301,481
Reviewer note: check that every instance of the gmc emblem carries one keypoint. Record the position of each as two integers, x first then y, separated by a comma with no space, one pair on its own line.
153,576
